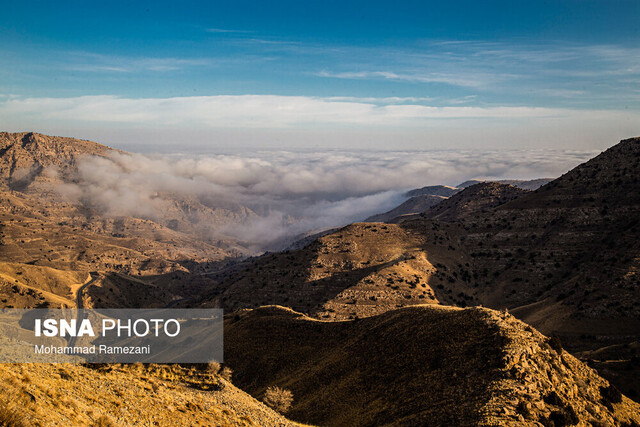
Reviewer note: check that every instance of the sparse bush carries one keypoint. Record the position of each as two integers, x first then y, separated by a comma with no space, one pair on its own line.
278,398
212,367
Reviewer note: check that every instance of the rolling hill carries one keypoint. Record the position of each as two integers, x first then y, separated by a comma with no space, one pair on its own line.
417,366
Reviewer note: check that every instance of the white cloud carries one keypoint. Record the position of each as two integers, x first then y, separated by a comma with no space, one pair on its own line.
292,192
265,111
225,31
96,62
474,80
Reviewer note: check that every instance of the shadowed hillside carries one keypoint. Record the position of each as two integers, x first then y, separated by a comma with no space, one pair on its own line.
473,200
422,199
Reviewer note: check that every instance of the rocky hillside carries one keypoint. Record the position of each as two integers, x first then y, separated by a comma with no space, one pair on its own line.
422,365
361,270
25,156
473,200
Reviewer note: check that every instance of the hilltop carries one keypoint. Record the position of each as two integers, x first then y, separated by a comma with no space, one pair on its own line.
25,156
422,199
416,366
361,270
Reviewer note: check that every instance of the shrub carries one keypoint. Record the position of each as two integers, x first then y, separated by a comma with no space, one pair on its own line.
278,398
226,373
212,367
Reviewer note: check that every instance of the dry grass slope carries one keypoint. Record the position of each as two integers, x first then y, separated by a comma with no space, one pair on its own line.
126,395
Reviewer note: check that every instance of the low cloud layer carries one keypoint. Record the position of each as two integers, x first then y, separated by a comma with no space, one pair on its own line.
272,197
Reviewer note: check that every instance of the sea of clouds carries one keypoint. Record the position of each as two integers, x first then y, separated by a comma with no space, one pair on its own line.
293,193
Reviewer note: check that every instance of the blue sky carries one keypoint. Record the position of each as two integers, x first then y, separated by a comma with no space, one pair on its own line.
307,75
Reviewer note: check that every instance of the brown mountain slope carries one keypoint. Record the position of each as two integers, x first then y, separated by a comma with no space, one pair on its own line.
126,395
566,258
572,245
24,156
473,200
417,366
361,270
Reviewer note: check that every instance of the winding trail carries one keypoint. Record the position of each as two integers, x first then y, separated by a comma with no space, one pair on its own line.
80,304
